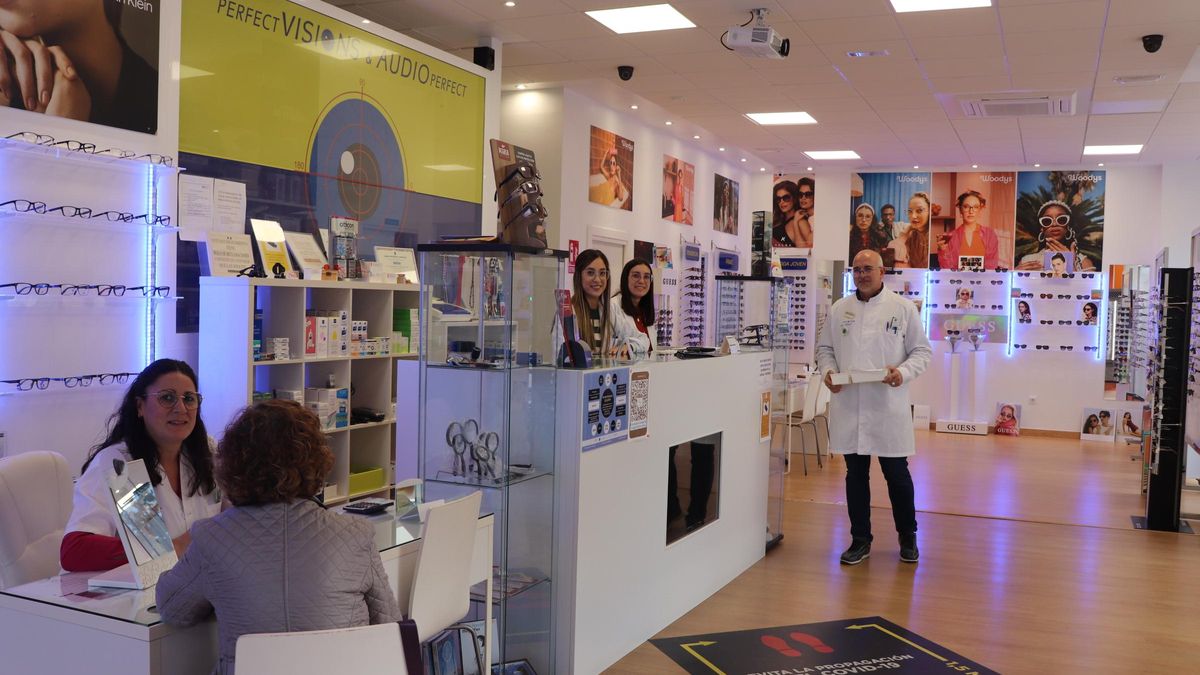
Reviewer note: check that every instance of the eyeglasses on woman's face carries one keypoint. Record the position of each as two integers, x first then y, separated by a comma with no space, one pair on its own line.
169,398
970,206
784,197
595,273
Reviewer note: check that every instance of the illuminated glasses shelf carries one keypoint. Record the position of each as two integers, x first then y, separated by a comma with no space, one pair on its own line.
86,158
78,301
13,218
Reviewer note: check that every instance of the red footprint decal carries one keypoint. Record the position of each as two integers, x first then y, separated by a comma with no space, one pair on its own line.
780,645
812,641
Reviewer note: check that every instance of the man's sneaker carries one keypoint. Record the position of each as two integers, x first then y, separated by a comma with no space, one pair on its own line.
860,550
908,548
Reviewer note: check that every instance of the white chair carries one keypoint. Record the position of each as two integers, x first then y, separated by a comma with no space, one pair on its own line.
821,421
441,587
365,649
35,504
807,411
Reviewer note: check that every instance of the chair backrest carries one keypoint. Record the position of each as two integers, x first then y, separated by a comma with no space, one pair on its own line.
441,590
823,395
811,391
365,649
35,504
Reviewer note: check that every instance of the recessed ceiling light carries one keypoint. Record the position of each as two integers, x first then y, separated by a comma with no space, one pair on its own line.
743,159
366,21
696,137
1112,149
868,54
831,154
510,3
974,166
779,118
1100,164
916,166
669,122
721,149
1036,165
641,19
936,5
633,107
809,169
1137,79
520,86
762,168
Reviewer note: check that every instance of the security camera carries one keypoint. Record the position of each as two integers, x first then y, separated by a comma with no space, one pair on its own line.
1152,43
626,72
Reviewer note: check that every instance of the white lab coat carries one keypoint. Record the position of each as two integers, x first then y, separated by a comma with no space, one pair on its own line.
872,418
93,510
625,331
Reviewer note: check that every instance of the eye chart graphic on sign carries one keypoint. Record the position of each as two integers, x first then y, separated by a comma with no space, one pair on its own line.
606,415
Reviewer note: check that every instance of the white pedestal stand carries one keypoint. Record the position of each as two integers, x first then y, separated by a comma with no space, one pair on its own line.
967,395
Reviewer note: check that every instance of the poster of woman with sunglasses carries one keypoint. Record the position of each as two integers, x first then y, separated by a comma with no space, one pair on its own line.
89,60
611,170
1060,212
791,226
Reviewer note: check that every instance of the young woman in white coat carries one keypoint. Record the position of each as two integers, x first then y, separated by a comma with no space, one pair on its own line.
632,310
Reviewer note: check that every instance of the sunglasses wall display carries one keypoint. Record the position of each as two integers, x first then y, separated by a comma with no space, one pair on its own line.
1059,314
692,303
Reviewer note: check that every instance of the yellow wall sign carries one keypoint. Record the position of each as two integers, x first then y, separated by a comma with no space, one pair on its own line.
272,83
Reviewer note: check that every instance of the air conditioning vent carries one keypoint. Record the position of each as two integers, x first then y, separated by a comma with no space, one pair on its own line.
1046,104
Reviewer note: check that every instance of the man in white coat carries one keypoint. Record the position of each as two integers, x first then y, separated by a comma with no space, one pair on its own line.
874,330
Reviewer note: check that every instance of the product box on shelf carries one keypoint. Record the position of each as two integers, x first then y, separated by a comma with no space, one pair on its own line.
310,336
290,395
258,322
322,336
281,348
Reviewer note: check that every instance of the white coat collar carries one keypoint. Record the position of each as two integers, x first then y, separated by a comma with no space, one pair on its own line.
875,298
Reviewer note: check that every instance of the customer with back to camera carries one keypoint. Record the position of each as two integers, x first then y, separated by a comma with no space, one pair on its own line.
276,561
158,422
632,309
874,329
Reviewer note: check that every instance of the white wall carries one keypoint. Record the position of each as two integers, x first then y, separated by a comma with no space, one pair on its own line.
556,125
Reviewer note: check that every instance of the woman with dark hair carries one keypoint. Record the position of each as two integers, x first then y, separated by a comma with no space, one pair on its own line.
792,209
159,423
972,238
1128,428
76,64
632,309
1024,314
1091,425
589,300
276,561
1090,309
1056,232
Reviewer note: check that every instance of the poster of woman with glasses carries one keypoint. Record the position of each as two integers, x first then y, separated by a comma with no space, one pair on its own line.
890,214
1060,212
92,60
976,219
791,224
611,169
1008,419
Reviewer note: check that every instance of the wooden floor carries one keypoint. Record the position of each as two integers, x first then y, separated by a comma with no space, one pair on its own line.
1029,563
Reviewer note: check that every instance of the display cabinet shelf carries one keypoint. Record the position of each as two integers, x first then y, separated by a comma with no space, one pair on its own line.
483,419
91,160
230,376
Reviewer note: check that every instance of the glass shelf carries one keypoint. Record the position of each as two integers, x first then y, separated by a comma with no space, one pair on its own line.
91,224
84,158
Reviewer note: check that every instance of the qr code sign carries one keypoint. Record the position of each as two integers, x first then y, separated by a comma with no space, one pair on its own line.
639,403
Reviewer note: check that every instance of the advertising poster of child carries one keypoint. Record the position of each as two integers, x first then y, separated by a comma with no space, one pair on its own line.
792,211
610,169
679,186
1008,419
1097,424
890,214
1060,211
976,215
725,204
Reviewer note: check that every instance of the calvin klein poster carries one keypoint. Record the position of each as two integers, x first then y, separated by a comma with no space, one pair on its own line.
100,60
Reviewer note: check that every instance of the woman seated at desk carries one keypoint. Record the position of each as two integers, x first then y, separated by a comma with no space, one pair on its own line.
277,560
632,309
590,304
158,422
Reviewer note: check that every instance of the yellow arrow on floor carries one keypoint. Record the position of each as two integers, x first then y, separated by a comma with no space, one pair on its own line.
884,630
688,648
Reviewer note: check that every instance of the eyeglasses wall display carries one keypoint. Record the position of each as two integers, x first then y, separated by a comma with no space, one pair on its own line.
1126,317
693,306
487,386
1168,391
81,226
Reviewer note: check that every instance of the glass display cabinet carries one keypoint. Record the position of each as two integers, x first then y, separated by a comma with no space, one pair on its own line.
755,311
487,405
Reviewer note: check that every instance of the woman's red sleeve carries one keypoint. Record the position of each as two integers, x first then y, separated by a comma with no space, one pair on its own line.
89,552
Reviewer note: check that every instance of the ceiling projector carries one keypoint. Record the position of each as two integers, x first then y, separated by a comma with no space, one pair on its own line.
758,41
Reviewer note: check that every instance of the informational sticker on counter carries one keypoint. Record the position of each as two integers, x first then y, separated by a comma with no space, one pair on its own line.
764,417
606,409
639,404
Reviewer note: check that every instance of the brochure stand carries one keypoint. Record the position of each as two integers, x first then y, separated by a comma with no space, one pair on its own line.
967,393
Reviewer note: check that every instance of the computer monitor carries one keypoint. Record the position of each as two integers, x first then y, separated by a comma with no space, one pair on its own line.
141,528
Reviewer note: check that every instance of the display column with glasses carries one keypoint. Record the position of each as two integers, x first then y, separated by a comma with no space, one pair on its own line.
82,290
1168,389
693,297
486,405
278,338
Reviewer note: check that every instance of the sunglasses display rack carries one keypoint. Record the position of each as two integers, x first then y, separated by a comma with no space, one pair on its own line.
519,205
692,303
797,315
731,308
1169,354
1120,343
1056,313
